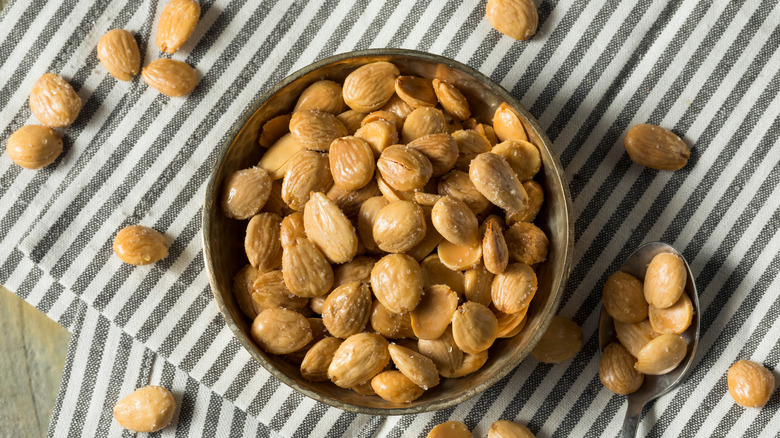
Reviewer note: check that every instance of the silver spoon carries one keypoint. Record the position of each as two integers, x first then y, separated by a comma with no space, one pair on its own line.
653,386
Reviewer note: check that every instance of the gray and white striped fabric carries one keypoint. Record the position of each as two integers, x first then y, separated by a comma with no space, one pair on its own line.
708,70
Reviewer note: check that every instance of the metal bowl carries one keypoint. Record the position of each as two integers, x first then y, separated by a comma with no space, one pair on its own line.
223,238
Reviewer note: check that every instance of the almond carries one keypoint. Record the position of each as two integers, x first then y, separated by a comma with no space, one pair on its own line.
522,156
140,245
245,192
458,185
399,226
316,130
674,319
655,147
395,387
54,102
366,218
474,327
494,178
379,134
431,317
455,221
281,331
532,206
397,282
440,149
274,129
404,168
750,384
665,280
170,77
277,158
507,122
307,172
400,108
561,341
415,91
370,86
527,243
661,355
177,22
423,121
347,309
390,325
352,120
383,115
617,372
434,272
261,243
147,409
430,241
495,252
470,144
513,289
517,19
476,285
450,429
417,367
634,336
508,429
292,228
358,359
118,51
321,96
451,99
242,290
443,351
34,146
314,366
329,229
510,324
351,162
269,291
624,299
306,271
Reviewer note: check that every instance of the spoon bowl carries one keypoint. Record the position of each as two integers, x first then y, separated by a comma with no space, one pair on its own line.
653,386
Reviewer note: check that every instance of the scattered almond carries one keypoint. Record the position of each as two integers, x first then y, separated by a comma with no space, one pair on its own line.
170,77
118,51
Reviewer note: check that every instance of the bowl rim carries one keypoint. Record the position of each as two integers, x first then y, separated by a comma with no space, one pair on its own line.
209,196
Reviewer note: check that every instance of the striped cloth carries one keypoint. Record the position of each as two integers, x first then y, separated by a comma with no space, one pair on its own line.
708,70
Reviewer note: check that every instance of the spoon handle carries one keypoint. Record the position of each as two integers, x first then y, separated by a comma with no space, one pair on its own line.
631,421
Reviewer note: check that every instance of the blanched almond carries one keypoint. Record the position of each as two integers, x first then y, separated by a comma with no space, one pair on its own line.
661,355
494,178
170,77
54,102
474,327
509,324
388,116
357,269
392,194
750,384
147,409
242,290
269,291
513,289
415,91
532,206
508,429
281,331
561,341
400,108
397,282
665,280
488,132
624,299
316,130
458,257
471,363
431,317
477,283
470,144
451,99
674,319
307,172
273,130
655,147
245,192
399,226
455,221
262,244
443,351
506,122
314,366
458,185
177,22
349,201
522,156
635,336
495,253
140,245
329,229
370,86
277,158
423,121
526,243
366,218
390,325
434,272
431,240
440,149
351,120
450,429
292,228
417,367
307,272
321,96
118,51
404,168
395,387
34,146
347,309
351,162
379,134
358,359
617,372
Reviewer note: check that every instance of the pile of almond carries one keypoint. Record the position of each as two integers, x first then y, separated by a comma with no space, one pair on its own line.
390,236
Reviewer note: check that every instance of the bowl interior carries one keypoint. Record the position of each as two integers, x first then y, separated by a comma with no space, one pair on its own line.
223,237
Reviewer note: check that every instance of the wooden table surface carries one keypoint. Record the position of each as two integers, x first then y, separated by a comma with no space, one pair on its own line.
32,355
